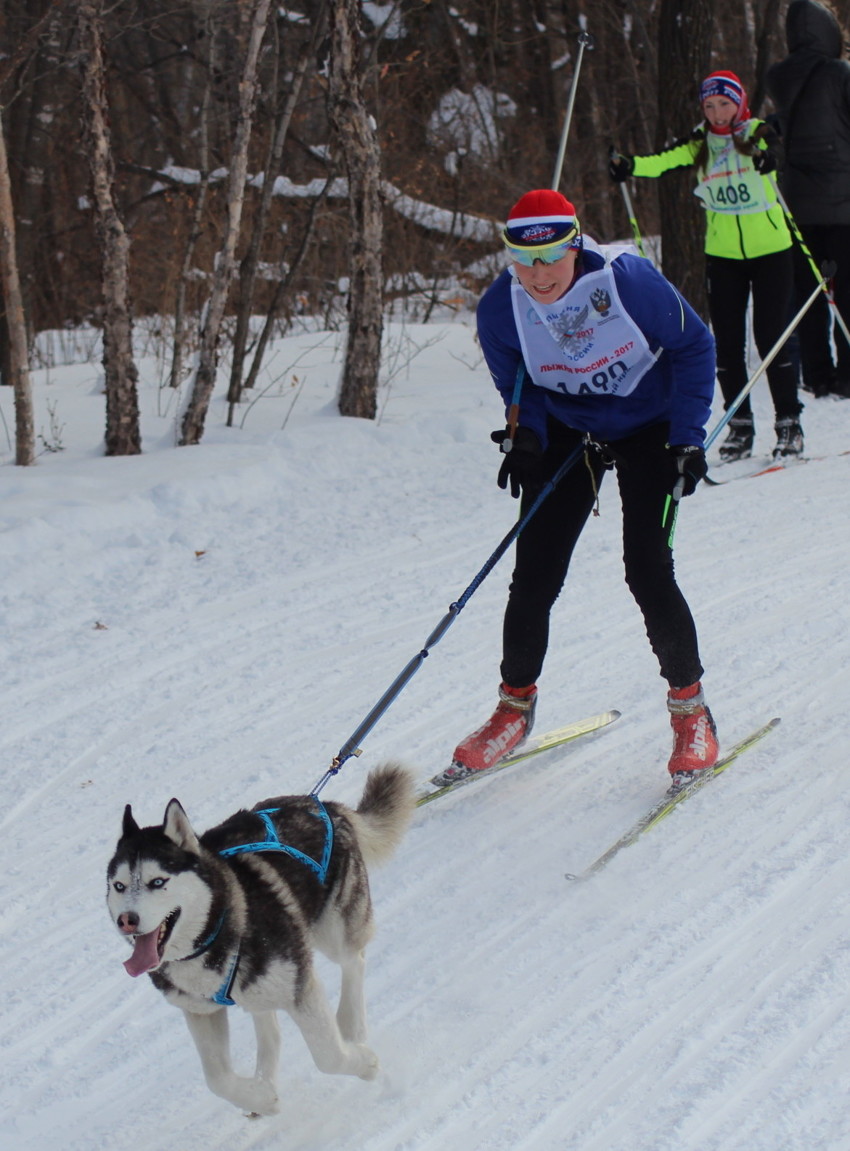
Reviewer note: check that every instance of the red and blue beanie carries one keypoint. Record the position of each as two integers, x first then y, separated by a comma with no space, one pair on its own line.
726,84
541,217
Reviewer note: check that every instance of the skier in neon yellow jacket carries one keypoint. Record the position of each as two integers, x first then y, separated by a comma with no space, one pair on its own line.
747,247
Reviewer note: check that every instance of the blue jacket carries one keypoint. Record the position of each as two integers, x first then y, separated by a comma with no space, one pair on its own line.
677,390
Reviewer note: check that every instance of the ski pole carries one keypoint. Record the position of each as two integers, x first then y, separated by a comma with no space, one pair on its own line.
762,368
351,746
613,154
829,267
671,503
585,40
630,212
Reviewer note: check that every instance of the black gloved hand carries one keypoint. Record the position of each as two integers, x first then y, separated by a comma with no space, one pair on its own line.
689,467
764,160
620,167
523,462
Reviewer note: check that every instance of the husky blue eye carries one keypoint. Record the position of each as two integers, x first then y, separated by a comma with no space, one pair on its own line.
118,885
158,882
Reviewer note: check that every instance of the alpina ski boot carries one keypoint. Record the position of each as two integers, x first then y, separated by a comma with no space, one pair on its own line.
695,747
508,726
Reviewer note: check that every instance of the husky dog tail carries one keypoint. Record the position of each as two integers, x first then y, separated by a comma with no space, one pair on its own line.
384,811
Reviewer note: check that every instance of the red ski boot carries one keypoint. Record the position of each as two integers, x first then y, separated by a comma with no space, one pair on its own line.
509,724
694,735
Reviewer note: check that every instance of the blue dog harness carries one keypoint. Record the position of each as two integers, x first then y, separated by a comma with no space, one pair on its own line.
272,842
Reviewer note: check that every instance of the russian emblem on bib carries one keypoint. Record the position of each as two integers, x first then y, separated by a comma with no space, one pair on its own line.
601,301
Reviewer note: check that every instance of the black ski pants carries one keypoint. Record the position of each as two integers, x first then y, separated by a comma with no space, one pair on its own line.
770,279
825,242
545,546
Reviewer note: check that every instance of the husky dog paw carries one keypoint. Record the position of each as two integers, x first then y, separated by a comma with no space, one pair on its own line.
369,1064
256,1097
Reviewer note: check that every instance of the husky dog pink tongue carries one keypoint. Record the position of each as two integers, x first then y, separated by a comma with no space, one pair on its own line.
145,954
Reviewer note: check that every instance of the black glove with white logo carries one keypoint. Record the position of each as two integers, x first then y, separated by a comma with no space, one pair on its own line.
765,160
620,167
523,462
688,468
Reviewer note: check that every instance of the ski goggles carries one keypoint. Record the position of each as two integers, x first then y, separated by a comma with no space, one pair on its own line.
546,253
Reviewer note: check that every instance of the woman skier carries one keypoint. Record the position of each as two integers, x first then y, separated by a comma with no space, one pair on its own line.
614,364
747,247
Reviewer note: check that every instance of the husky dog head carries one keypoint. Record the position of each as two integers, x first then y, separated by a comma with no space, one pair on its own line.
158,892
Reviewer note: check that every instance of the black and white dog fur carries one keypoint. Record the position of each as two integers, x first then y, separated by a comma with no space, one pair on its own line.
240,927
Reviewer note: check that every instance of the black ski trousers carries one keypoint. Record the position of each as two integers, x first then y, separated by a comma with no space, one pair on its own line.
770,279
545,546
825,242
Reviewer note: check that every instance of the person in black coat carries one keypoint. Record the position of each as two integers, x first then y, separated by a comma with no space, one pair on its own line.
811,91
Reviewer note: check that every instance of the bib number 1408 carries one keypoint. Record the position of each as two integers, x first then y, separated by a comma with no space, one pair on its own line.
730,195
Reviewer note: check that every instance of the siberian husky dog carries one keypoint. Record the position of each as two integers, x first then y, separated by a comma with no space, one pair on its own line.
231,917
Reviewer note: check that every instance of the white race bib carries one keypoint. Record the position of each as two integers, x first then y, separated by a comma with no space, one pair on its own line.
586,344
731,183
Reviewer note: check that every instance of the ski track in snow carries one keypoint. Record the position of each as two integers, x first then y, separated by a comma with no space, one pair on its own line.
691,997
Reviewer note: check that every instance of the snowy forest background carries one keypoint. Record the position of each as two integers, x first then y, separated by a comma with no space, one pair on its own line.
233,193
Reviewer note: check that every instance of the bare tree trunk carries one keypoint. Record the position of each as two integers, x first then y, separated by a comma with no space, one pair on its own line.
684,54
250,262
123,437
767,39
198,210
193,420
356,133
282,287
16,326
36,141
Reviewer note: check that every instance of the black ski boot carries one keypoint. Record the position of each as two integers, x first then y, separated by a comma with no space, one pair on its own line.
789,438
739,443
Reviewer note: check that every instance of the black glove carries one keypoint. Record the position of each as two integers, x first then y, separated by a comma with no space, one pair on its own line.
764,160
523,462
619,167
689,467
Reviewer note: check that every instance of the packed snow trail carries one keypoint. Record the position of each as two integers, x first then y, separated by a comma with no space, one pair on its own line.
210,623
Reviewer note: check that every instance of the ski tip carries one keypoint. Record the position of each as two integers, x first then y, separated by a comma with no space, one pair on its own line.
606,716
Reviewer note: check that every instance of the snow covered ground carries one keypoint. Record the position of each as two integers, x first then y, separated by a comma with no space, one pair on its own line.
213,623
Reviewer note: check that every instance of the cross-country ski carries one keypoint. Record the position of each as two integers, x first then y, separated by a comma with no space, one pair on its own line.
722,474
533,746
676,796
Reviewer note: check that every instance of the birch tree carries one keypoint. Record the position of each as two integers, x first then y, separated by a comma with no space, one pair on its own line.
355,132
251,259
15,324
123,435
198,210
204,382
